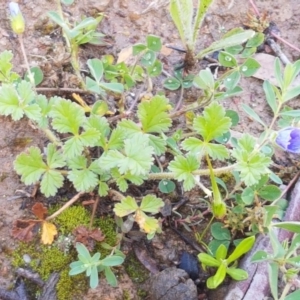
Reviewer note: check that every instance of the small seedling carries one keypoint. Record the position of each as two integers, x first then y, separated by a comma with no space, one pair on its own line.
78,34
188,26
226,265
92,265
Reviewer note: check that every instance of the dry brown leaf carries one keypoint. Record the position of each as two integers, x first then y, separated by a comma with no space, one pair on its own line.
125,55
88,237
267,70
48,233
22,229
39,210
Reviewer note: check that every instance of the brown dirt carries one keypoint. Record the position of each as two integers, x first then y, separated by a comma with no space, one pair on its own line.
124,26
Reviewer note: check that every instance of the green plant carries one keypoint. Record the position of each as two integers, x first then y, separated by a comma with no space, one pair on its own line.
127,150
128,75
226,265
91,265
174,83
182,13
80,33
284,260
147,54
45,260
221,236
149,204
96,85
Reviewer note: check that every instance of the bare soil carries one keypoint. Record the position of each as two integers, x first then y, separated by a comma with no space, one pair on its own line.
126,22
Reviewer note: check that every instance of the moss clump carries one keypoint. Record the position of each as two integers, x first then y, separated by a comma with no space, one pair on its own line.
71,218
126,295
57,258
17,255
52,260
46,260
135,270
108,227
142,294
71,285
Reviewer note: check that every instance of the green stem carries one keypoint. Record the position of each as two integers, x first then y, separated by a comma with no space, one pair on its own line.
285,291
52,137
73,49
136,61
61,14
75,64
170,175
205,230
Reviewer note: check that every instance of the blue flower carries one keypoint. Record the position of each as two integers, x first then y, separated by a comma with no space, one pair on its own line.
16,18
289,139
14,9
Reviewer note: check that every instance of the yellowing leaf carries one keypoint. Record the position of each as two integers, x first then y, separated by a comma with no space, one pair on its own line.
147,224
140,218
150,225
81,102
48,233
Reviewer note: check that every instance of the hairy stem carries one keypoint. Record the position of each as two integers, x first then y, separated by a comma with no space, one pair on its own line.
170,175
285,291
30,75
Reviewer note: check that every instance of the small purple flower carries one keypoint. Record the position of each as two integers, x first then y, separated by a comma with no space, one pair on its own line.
289,139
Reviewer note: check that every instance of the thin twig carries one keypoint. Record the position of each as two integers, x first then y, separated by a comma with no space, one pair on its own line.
272,33
159,163
277,50
94,212
67,90
254,7
284,41
32,276
188,241
291,183
134,102
68,204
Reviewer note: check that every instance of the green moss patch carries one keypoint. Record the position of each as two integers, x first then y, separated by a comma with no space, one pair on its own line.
135,270
45,259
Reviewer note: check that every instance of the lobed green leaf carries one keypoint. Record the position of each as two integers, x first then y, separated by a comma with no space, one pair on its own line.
67,116
30,165
51,181
6,76
213,123
151,204
137,158
154,115
183,168
127,206
83,180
